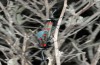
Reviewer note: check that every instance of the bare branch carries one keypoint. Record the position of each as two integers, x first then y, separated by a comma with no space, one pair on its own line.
56,34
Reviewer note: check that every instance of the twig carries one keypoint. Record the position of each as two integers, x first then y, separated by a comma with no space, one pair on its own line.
50,61
31,9
86,23
52,3
37,2
3,60
92,37
96,57
47,8
75,46
86,7
56,34
6,14
24,47
36,20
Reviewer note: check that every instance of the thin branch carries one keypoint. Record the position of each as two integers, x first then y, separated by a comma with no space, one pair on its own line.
96,57
6,14
3,60
52,3
36,20
31,9
86,7
47,8
56,34
24,47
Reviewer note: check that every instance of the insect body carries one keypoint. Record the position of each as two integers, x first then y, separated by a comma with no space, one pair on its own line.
44,35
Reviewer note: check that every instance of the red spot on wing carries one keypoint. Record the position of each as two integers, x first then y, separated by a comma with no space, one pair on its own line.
49,23
43,45
40,38
44,35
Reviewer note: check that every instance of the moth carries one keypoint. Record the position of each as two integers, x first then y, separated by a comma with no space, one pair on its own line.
44,35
